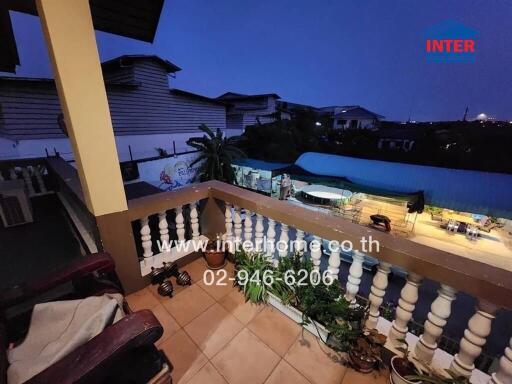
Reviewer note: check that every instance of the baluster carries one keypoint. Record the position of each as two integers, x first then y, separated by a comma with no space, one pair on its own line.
406,305
180,226
316,253
145,236
437,317
283,241
354,276
194,221
163,226
40,181
504,373
377,292
248,226
12,174
1,176
258,236
479,327
271,237
334,260
229,228
299,242
28,181
238,226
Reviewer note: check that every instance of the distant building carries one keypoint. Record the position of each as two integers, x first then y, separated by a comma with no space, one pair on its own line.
355,117
245,110
146,113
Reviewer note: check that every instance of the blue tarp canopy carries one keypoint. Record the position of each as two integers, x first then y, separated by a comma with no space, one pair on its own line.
461,190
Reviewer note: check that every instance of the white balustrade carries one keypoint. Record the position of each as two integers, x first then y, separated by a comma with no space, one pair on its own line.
316,253
163,227
354,276
145,236
194,221
180,224
284,239
12,174
504,373
405,309
437,318
475,335
377,292
40,181
334,260
248,226
271,237
258,235
238,225
228,237
300,244
1,176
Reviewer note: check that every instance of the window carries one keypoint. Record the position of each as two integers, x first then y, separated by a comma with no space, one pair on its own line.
342,122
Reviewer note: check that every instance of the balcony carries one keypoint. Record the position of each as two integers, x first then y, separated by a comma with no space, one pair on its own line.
212,335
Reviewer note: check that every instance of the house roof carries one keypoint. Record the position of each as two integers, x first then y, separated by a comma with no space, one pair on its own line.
195,96
357,112
43,80
130,18
462,190
124,60
240,96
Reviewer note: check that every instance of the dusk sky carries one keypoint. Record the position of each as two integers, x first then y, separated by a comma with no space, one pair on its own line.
368,52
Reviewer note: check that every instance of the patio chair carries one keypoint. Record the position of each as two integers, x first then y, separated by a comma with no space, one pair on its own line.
123,352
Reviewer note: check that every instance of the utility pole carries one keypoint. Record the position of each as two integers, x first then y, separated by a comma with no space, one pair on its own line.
465,118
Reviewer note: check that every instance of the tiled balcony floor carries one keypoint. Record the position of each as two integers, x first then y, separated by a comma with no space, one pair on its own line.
211,335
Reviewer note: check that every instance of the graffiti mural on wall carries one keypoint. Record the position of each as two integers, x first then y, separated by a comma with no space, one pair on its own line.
169,173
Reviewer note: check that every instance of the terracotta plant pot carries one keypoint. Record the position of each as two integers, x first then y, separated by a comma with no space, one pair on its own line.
361,363
215,259
399,369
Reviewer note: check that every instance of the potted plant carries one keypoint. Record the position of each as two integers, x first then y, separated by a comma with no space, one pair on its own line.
403,369
365,355
256,276
319,307
215,256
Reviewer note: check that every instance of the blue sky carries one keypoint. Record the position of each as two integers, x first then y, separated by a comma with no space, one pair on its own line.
366,52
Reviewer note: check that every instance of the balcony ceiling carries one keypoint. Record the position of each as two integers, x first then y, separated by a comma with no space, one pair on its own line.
129,18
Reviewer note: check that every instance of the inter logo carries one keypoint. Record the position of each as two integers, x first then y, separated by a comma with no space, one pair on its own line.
450,41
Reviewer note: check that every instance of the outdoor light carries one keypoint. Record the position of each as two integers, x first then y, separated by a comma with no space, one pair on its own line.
318,124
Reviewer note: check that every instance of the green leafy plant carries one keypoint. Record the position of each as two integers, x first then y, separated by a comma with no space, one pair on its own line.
256,276
322,303
216,153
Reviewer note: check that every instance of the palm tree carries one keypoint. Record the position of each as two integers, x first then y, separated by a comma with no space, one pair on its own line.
216,154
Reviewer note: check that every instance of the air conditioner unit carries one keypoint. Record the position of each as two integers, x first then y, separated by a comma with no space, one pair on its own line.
15,208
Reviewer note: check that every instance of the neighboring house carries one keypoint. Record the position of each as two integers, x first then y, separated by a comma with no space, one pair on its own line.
355,117
342,117
145,112
245,110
